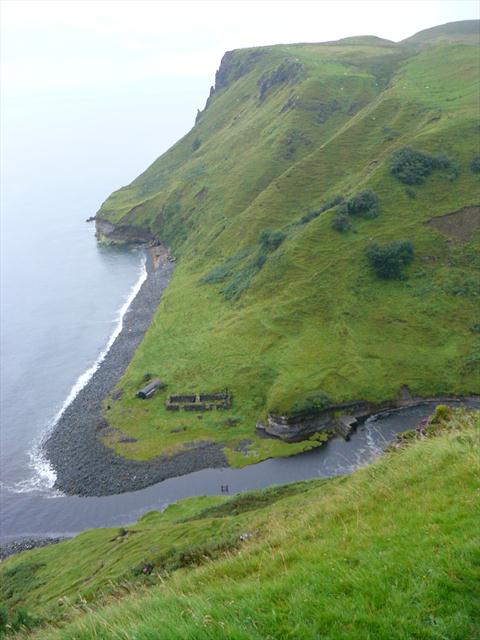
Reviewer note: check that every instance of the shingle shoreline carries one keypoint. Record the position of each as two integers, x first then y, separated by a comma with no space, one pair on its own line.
83,464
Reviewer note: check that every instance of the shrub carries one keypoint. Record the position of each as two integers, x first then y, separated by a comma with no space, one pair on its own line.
217,274
441,161
363,204
341,223
225,270
412,167
243,278
442,412
238,277
271,240
390,134
310,216
238,285
313,403
342,210
475,164
333,202
259,261
388,260
196,144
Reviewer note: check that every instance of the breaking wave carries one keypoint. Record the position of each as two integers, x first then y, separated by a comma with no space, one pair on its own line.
43,475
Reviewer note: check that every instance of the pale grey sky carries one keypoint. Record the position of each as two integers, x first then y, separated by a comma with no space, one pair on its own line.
120,81
67,44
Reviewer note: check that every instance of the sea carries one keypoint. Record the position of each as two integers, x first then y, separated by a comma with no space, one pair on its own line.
63,297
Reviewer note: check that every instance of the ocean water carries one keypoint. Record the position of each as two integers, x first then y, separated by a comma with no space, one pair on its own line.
62,301
63,295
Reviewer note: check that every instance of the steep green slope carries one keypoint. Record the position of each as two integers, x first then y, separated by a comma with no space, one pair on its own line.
285,130
389,552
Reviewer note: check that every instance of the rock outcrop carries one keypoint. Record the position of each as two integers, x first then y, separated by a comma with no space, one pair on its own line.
109,233
341,418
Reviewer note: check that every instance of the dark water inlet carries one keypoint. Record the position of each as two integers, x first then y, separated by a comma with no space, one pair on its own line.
45,513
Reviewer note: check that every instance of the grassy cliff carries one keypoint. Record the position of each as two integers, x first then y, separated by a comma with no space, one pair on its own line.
390,552
268,298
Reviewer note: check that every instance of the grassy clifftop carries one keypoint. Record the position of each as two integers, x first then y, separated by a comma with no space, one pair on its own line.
389,552
288,132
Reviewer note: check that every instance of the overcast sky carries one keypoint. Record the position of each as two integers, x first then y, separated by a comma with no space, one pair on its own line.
124,79
64,44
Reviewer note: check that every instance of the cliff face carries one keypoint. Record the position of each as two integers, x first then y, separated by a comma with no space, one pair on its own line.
306,160
109,233
305,81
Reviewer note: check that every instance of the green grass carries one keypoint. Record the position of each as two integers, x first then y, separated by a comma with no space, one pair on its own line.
309,317
390,552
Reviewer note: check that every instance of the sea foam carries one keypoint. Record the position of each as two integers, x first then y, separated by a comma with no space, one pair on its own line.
43,474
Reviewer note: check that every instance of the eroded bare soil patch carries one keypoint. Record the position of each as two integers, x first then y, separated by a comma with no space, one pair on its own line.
461,224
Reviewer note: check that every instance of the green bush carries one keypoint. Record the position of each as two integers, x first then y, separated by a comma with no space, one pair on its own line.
341,223
363,204
238,285
217,274
311,215
475,164
333,202
238,278
243,278
259,260
441,161
442,413
225,270
271,240
313,403
413,167
388,260
196,144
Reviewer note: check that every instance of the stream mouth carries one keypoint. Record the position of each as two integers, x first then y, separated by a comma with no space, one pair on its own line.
50,514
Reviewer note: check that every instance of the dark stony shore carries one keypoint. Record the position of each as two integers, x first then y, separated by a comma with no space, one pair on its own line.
25,544
84,465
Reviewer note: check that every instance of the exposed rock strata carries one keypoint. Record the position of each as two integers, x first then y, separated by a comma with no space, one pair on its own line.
109,233
301,427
